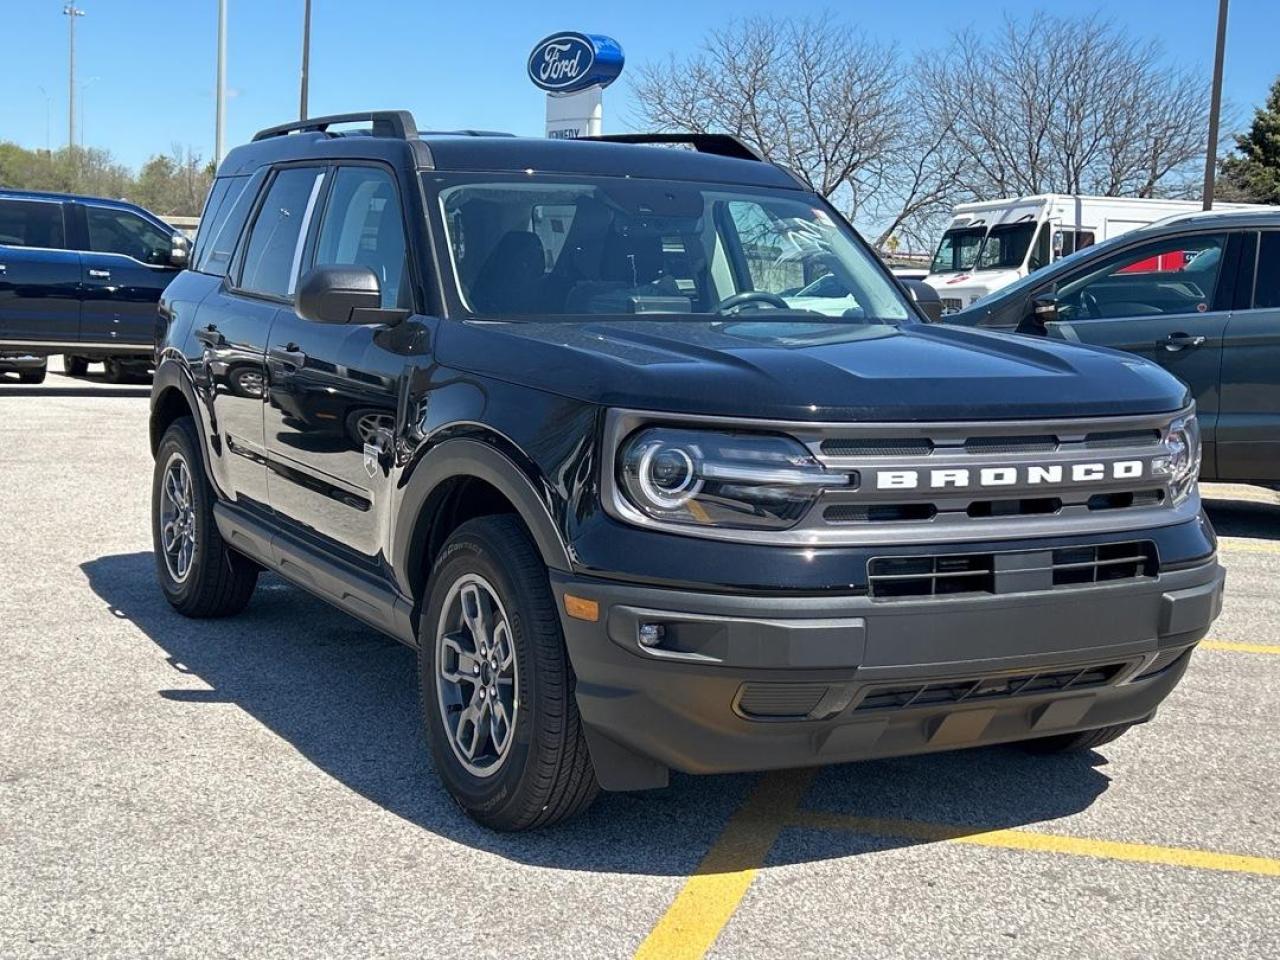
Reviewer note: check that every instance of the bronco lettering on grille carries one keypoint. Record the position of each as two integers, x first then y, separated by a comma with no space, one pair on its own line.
964,478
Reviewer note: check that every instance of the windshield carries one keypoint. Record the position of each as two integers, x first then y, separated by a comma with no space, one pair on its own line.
1006,246
958,250
610,246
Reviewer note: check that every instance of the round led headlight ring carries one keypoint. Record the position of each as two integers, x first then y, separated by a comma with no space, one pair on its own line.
667,476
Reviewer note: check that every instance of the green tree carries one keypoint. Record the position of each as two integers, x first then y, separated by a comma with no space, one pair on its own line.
1254,172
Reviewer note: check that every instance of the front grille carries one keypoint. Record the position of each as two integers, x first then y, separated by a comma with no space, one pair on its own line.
949,575
874,447
980,445
879,512
1111,439
972,689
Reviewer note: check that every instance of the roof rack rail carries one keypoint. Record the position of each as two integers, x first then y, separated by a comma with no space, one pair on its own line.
720,144
394,124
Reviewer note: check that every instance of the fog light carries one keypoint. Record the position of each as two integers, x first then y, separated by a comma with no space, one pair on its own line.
652,634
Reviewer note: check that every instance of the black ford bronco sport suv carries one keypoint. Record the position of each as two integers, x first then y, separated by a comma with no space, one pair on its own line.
656,466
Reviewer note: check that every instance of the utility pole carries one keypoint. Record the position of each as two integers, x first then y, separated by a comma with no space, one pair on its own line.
306,58
1215,105
220,96
70,12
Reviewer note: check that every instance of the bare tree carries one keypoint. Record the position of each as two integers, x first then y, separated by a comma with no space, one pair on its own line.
812,94
1061,105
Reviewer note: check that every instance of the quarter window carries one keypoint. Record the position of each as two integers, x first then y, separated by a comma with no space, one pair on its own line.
1266,288
274,249
1174,276
363,225
125,233
31,223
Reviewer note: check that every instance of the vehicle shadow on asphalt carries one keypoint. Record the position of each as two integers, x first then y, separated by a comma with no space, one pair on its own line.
1244,518
345,697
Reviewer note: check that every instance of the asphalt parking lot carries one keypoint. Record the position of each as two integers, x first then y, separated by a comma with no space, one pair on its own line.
257,787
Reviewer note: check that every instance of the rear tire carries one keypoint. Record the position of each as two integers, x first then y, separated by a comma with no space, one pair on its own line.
75,366
198,573
115,371
490,591
1077,742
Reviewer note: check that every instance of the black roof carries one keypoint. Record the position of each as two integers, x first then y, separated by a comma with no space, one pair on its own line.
483,152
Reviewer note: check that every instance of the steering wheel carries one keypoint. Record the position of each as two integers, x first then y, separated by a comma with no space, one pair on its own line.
737,300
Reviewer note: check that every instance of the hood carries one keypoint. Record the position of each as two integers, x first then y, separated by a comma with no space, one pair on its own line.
811,371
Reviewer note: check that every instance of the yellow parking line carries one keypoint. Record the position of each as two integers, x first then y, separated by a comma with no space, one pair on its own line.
1267,648
1040,843
711,895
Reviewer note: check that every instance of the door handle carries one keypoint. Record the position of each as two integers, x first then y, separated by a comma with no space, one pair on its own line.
100,274
290,353
1180,341
211,337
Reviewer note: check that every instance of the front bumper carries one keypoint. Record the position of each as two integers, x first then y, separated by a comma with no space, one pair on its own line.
763,682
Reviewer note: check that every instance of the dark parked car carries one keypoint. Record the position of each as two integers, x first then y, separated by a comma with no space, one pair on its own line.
586,424
81,276
1198,294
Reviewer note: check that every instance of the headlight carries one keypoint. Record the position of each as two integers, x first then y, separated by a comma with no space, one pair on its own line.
1180,462
704,478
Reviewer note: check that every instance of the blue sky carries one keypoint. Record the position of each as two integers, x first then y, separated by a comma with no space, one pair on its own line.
146,67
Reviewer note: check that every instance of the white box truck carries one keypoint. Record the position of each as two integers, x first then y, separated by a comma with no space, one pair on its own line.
992,243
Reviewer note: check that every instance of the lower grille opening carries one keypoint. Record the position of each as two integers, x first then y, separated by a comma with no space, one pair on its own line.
1027,507
879,512
1123,501
892,577
1104,563
775,701
1163,661
972,689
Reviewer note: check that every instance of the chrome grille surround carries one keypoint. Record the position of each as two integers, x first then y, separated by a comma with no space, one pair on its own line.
945,514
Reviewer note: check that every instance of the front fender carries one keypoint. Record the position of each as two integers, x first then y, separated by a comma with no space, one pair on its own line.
481,459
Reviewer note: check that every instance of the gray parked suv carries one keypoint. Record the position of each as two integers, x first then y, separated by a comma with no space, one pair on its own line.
1198,294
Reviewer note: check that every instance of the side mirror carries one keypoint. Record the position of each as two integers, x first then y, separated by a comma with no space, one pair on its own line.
180,252
1044,309
925,297
343,294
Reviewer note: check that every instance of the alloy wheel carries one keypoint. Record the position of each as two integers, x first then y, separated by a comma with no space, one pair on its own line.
476,675
178,518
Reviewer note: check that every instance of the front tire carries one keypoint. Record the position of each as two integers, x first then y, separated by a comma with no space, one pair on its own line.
199,574
496,686
75,366
32,376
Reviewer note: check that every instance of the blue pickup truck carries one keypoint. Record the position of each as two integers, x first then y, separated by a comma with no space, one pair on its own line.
81,276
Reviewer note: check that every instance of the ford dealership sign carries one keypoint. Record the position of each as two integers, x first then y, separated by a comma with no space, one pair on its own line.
569,62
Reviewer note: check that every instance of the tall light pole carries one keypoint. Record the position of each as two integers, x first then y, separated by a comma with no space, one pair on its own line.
48,146
306,58
71,12
220,112
1215,106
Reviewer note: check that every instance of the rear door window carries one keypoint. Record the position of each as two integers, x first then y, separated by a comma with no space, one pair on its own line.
32,223
273,252
1266,285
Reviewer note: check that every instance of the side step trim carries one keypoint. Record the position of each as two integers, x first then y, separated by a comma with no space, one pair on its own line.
367,597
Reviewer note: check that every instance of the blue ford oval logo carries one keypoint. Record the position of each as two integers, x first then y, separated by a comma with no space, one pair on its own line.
568,62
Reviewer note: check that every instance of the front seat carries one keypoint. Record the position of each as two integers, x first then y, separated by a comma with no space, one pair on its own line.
511,279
